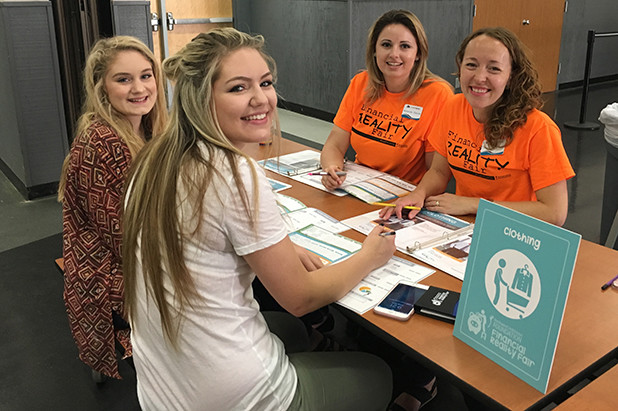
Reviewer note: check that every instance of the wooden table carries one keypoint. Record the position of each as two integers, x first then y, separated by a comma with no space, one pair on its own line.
599,395
588,338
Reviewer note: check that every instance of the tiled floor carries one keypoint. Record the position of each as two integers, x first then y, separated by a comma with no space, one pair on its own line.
21,221
29,374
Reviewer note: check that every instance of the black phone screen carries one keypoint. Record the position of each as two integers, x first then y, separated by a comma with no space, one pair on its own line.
402,298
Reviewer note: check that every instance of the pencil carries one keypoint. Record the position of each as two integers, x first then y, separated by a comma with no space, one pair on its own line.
394,205
325,173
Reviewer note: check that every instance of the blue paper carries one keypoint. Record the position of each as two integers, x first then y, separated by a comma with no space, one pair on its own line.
515,289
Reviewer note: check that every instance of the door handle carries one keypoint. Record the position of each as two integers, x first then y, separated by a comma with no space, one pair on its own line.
154,21
170,21
526,22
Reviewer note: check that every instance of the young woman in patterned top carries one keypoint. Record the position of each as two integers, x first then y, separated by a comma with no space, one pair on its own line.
123,108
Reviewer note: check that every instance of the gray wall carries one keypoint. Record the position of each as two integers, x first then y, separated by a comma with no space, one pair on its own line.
309,40
581,16
432,13
320,45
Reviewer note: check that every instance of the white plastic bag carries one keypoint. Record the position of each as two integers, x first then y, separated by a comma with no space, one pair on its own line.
609,117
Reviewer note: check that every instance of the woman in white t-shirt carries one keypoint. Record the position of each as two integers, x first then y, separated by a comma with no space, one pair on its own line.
200,223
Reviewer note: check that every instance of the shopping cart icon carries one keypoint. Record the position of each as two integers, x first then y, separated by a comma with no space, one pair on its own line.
516,300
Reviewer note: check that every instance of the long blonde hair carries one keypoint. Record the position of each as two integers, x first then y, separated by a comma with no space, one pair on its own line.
96,106
151,220
419,73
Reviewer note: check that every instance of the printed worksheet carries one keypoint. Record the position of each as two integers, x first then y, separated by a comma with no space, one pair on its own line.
368,293
278,185
328,246
362,182
437,239
298,167
450,256
293,164
288,204
372,186
296,216
332,248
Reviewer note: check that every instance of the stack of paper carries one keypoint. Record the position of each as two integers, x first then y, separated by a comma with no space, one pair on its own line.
362,182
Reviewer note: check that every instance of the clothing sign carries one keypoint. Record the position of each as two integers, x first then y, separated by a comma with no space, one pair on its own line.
515,289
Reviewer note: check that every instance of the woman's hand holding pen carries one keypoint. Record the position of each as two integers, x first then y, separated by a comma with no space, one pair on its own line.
380,248
334,179
415,199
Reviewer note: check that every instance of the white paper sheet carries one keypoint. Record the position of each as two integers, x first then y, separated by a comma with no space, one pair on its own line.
368,293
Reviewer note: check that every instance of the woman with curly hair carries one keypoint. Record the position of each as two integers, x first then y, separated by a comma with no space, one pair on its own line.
493,139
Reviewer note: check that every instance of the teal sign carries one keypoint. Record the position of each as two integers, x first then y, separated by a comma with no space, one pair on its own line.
515,290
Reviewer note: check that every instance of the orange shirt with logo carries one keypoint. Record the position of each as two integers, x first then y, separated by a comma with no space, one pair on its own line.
390,134
534,159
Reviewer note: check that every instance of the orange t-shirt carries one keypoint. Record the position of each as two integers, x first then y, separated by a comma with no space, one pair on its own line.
390,134
534,159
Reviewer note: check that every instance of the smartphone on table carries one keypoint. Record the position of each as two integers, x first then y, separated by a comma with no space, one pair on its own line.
399,302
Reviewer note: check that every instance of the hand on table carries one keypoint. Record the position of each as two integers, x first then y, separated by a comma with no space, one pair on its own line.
332,180
310,261
452,204
415,199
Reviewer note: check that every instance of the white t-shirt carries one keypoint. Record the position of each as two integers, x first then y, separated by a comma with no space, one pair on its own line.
227,358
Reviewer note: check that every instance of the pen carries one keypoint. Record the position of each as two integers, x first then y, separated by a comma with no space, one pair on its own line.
394,205
607,284
388,233
325,173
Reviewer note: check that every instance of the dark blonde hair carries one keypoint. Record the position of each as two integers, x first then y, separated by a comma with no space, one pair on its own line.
418,74
151,217
96,106
522,93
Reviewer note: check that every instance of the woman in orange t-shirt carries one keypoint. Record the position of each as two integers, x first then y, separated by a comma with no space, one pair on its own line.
389,109
493,139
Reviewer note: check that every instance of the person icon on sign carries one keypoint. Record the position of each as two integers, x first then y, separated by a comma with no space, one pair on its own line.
499,280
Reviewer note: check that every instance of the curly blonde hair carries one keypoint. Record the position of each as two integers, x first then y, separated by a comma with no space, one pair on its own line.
522,93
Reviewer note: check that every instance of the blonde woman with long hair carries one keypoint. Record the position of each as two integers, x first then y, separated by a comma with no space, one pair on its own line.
388,109
124,106
200,223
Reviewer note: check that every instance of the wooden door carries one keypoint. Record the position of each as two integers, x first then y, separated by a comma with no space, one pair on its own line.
187,13
537,23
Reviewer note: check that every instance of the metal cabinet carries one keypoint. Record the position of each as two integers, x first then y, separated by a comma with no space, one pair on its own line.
33,136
